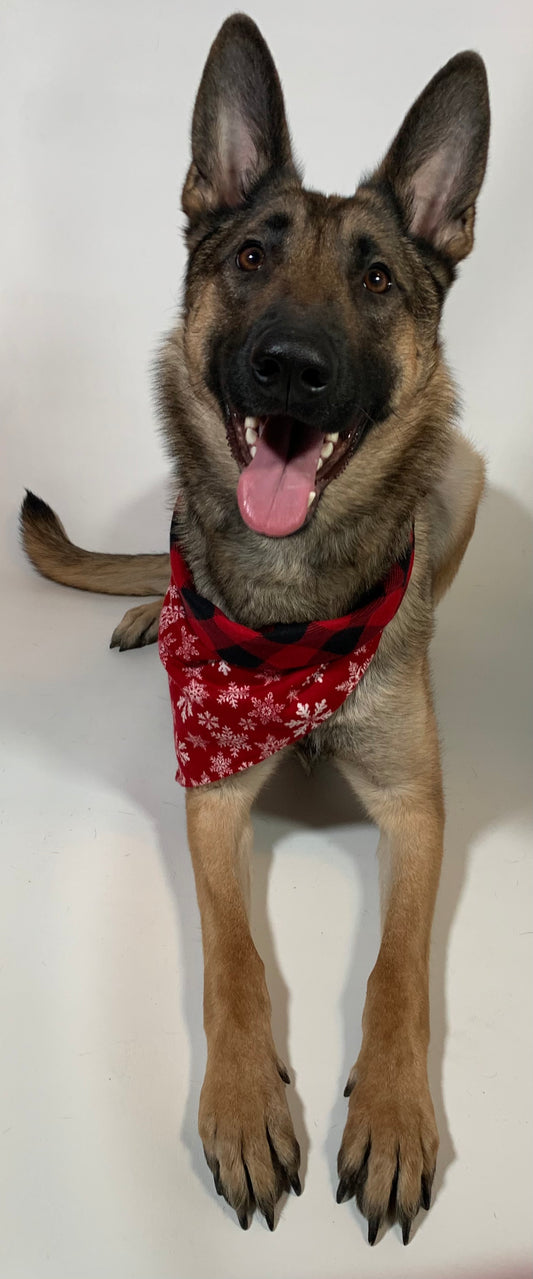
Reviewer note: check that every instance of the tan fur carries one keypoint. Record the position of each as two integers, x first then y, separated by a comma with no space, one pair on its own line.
411,469
400,786
243,1106
138,627
53,554
454,505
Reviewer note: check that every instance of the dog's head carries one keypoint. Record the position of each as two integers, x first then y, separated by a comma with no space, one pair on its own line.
311,322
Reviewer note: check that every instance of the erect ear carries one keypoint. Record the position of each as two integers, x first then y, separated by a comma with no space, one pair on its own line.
239,130
437,161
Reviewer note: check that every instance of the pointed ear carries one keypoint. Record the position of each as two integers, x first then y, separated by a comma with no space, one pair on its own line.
239,130
437,161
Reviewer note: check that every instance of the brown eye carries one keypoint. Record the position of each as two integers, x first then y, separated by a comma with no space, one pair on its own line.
377,278
250,257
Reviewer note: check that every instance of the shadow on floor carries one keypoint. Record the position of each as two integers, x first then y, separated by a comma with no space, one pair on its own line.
480,660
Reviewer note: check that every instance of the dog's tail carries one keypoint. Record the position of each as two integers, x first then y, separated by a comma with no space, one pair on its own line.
54,555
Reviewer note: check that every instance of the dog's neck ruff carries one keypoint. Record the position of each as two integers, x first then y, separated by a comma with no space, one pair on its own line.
240,695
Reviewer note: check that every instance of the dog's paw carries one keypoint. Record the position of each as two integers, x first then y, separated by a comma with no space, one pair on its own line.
138,627
389,1148
247,1133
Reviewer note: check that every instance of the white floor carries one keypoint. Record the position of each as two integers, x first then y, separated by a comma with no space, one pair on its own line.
100,960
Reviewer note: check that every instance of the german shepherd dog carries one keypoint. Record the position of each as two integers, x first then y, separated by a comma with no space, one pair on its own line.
316,317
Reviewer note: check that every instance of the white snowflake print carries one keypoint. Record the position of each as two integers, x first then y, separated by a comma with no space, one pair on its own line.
308,718
304,711
173,610
272,744
356,671
209,721
267,677
166,645
182,753
192,694
234,742
316,677
221,765
187,648
263,711
224,668
233,694
197,743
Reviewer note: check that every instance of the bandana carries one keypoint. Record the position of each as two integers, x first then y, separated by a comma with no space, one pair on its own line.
240,695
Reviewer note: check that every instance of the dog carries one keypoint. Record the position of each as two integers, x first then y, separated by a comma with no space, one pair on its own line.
310,418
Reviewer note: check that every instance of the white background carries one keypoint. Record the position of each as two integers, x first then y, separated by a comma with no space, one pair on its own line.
103,1050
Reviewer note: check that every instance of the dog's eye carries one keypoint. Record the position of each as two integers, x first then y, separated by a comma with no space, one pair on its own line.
250,257
378,278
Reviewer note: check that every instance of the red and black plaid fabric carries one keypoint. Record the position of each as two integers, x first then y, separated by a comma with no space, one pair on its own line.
239,695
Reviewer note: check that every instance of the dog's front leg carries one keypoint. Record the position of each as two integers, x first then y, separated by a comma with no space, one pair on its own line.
389,1147
244,1121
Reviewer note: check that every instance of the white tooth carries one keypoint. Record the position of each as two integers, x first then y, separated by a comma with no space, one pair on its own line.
311,497
333,436
327,450
251,435
319,463
253,450
251,422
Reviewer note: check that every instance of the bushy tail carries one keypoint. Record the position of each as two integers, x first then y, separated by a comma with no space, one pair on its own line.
54,555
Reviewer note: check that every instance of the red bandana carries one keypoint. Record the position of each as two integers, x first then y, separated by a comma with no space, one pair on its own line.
239,695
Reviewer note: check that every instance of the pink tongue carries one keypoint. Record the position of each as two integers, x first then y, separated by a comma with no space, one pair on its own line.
273,490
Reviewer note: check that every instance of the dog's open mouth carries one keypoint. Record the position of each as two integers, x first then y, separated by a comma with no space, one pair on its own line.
285,466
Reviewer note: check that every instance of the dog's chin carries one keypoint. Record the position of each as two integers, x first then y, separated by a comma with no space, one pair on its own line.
286,464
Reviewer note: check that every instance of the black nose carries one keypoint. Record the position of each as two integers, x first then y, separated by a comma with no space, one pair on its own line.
293,370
